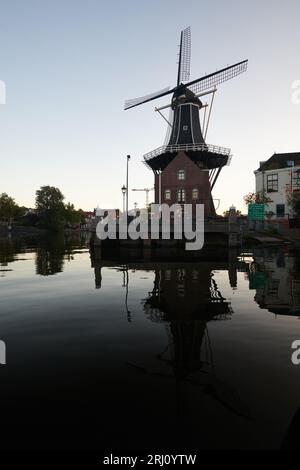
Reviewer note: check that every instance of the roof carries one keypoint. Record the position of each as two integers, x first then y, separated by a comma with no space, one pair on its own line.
280,160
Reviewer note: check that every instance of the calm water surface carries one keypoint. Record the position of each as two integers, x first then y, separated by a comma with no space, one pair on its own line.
113,355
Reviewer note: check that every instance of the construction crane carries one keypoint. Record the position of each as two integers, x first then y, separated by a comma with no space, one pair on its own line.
147,190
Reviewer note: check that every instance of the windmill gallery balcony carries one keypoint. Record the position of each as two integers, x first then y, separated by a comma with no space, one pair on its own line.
212,155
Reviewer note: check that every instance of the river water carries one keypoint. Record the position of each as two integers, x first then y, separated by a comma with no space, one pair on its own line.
110,355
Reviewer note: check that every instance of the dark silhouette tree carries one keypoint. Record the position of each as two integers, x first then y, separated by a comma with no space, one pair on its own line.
50,207
8,207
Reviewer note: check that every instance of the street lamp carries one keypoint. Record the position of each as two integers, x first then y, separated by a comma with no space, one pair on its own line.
128,158
124,190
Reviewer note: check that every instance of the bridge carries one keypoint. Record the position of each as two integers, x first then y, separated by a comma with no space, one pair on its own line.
219,233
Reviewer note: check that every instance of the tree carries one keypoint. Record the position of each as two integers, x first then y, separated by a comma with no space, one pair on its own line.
226,213
50,207
49,198
8,208
256,198
72,216
294,202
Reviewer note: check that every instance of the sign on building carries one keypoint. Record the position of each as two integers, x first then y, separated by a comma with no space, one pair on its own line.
256,211
257,280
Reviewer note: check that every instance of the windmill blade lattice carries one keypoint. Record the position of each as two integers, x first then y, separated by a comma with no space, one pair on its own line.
143,99
213,79
185,56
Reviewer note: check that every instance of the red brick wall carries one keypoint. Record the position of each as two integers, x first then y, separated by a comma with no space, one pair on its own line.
195,178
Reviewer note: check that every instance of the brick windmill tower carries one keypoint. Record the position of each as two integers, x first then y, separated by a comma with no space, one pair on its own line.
186,168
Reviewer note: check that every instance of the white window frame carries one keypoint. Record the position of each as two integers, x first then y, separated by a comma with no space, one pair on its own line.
181,195
195,193
181,175
167,194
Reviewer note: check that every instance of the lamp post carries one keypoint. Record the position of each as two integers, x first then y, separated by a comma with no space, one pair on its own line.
128,158
123,189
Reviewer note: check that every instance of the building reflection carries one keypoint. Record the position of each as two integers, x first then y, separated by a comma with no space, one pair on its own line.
275,275
185,299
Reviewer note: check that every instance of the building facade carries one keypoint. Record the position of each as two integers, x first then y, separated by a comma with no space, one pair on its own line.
183,182
277,178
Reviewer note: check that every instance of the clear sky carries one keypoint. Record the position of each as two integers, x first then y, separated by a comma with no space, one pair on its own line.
68,66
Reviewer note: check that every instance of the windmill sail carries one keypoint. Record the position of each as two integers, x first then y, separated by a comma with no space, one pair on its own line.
184,65
213,79
144,99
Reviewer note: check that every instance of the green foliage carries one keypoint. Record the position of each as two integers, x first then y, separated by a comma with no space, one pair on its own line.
49,198
72,216
8,207
82,216
51,212
226,213
294,202
256,198
50,208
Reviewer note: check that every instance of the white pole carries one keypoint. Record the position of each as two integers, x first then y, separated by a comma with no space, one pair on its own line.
204,118
209,114
128,158
159,188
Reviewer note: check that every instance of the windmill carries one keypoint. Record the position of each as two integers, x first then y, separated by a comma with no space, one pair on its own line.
184,129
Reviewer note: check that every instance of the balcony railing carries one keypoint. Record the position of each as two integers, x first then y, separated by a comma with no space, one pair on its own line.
186,148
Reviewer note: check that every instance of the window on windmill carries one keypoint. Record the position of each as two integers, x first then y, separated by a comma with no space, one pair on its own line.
168,194
195,193
181,174
272,183
180,195
185,128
